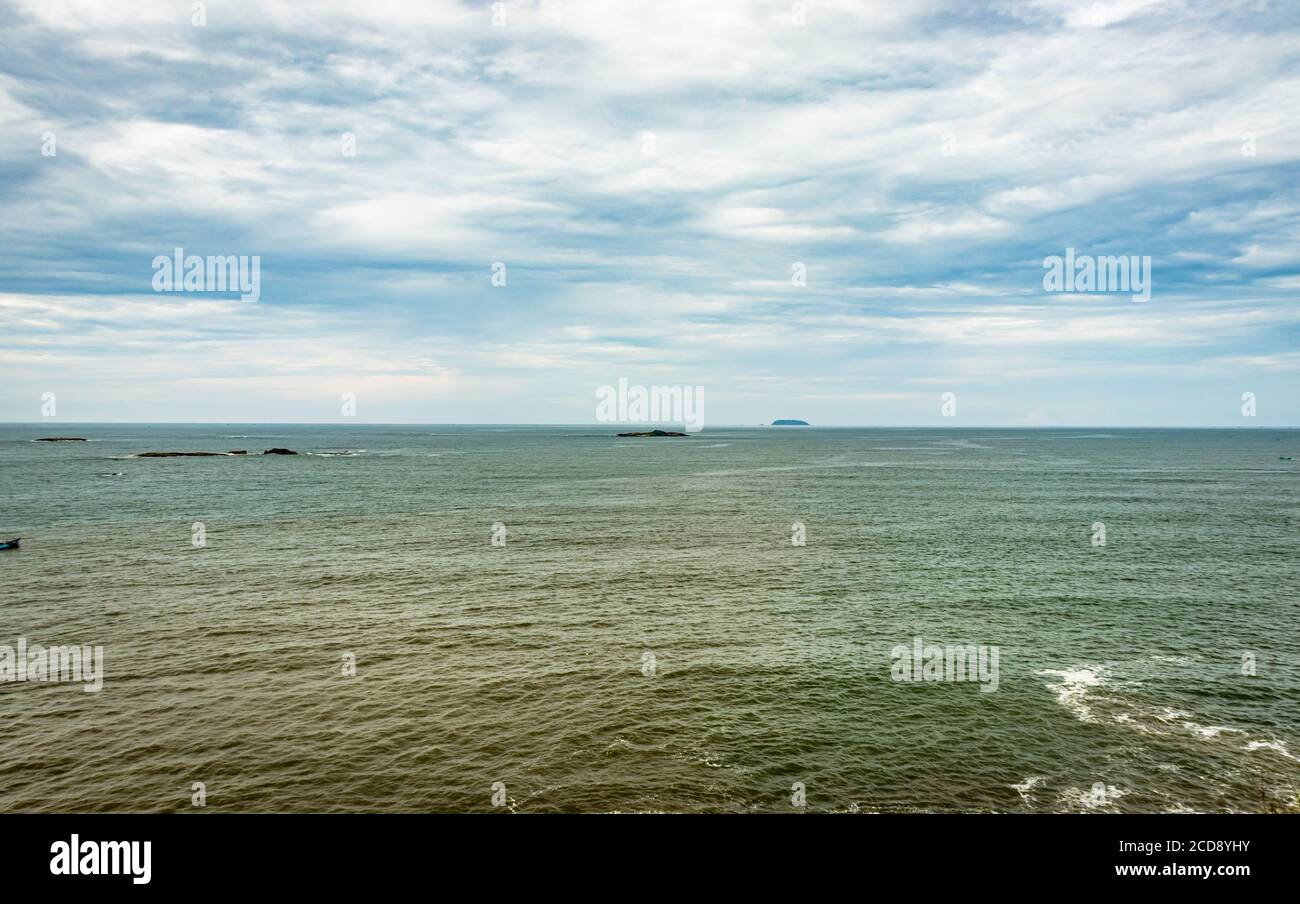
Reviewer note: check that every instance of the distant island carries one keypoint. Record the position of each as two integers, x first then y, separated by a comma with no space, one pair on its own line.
185,454
790,422
276,451
655,433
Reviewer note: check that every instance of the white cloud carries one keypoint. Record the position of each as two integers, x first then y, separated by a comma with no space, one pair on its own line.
919,158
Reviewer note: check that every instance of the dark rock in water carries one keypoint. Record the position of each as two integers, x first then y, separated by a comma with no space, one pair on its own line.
181,454
62,439
655,433
790,422
211,454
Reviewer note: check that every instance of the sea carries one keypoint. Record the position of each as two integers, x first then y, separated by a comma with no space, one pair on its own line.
555,619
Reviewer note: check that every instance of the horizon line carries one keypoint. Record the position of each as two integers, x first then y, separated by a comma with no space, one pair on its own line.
647,425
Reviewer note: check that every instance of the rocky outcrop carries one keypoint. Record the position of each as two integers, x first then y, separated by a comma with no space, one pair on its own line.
655,433
181,454
210,454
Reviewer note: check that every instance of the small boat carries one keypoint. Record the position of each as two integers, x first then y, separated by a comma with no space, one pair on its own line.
10,544
1285,458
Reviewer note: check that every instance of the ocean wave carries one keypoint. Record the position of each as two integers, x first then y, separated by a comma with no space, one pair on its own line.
1274,745
1211,731
1098,797
1075,688
1078,690
1025,788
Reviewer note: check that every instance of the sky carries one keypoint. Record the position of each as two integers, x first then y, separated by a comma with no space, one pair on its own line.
648,180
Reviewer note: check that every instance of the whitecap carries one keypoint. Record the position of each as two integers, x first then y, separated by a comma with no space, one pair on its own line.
1028,785
1099,796
1074,688
1274,745
1210,731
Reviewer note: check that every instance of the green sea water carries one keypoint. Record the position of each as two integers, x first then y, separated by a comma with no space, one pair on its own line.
1124,677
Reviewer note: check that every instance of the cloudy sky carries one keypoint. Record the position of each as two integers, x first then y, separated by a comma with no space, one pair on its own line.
650,174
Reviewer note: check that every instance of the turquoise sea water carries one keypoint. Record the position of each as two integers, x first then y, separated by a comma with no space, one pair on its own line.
1120,683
